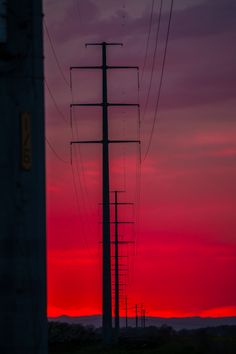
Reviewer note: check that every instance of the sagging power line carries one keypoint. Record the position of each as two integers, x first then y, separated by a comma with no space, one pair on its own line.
160,83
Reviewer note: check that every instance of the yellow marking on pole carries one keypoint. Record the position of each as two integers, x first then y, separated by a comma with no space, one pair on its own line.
26,146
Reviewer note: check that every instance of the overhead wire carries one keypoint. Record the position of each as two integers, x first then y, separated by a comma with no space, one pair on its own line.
79,155
160,82
53,97
77,197
55,102
63,117
148,39
77,9
78,207
81,176
54,53
136,208
138,170
153,60
55,152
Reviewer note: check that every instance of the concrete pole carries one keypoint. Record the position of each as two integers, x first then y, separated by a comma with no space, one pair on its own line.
23,322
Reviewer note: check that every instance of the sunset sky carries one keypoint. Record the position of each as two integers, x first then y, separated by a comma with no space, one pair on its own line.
183,262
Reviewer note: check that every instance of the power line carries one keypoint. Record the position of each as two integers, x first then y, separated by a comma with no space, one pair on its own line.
160,83
78,206
62,116
74,183
148,39
55,54
55,102
76,2
153,59
54,151
82,179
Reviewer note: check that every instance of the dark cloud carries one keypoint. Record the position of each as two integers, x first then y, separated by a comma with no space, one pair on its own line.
200,65
203,19
195,84
207,18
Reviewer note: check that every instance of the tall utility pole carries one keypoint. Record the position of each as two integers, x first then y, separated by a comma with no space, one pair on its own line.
106,288
23,321
117,242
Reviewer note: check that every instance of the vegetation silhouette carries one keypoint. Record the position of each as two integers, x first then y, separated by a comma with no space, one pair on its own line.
67,338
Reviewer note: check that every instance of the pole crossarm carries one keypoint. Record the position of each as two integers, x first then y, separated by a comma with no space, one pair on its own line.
86,104
123,104
118,242
116,191
99,67
104,44
109,142
123,269
99,104
124,141
122,67
122,242
121,222
86,142
85,67
134,307
121,272
120,203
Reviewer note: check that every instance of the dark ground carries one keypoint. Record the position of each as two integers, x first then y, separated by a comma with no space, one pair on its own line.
71,339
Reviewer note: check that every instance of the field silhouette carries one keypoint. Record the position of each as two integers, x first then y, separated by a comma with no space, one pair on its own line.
65,338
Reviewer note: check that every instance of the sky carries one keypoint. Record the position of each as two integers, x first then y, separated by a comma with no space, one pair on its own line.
183,259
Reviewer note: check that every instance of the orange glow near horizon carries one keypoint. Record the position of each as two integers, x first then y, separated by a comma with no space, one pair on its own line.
213,313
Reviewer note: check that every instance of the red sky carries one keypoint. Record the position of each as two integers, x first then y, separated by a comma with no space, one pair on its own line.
184,259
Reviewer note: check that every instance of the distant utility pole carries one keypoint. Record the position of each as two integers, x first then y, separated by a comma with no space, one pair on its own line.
136,315
107,288
144,318
117,242
126,311
23,321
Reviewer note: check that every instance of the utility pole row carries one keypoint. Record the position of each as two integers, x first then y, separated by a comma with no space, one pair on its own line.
117,242
105,142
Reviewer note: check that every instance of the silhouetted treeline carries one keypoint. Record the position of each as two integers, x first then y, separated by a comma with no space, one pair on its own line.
59,333
161,340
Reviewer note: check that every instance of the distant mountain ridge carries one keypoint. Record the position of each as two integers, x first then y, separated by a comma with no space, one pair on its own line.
176,323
